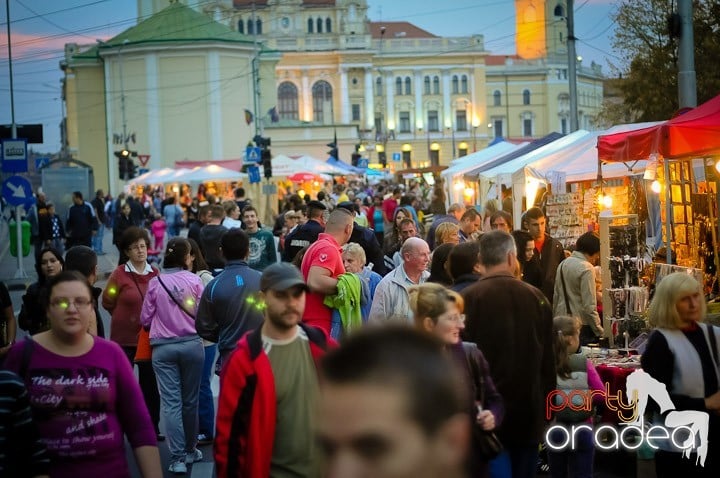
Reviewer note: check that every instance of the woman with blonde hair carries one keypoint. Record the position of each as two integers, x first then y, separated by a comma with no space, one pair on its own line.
489,210
682,353
439,311
447,233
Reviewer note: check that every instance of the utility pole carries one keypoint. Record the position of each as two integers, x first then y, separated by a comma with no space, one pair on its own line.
256,75
687,92
572,65
122,96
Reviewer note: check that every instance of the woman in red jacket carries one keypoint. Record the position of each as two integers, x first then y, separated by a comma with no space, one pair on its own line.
123,298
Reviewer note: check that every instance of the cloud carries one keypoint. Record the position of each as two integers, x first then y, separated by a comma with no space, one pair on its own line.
31,46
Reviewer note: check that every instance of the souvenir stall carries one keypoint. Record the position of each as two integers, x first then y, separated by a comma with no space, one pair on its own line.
453,176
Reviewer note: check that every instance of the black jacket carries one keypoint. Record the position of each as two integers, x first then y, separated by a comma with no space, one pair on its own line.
301,237
551,256
119,226
80,221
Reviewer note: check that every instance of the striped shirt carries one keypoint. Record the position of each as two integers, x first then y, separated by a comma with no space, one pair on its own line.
21,451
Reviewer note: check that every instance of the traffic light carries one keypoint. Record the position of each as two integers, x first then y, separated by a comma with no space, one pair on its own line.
261,142
124,168
333,150
355,159
382,158
132,169
266,163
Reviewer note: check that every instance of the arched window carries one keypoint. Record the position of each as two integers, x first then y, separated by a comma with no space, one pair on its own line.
258,26
250,27
455,85
322,101
241,26
398,86
526,97
408,86
311,25
319,25
427,85
559,10
287,101
328,26
378,86
497,98
436,85
463,84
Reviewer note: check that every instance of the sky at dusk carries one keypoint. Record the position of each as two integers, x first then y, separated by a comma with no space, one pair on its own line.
41,28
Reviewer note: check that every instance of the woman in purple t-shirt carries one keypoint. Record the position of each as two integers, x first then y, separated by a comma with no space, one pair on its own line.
83,394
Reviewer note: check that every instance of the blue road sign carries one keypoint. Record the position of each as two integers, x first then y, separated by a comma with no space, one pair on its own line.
363,163
143,171
252,154
41,162
17,191
254,174
14,156
396,157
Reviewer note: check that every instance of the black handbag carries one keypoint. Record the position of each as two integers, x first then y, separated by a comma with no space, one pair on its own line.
487,442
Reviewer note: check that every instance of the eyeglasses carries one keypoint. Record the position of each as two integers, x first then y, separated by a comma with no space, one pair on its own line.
457,319
64,303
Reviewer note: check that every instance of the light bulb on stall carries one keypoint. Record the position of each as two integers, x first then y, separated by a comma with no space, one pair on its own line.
469,192
607,201
458,185
655,186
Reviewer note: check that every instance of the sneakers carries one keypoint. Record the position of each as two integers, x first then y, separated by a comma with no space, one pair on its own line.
178,467
203,439
194,456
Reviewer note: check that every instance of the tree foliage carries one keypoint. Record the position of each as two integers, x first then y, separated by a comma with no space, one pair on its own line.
648,59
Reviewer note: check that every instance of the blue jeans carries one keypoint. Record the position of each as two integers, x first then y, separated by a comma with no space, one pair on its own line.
178,367
207,404
97,240
572,463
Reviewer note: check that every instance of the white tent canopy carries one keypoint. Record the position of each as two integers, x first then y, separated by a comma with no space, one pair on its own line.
152,177
287,166
467,163
210,172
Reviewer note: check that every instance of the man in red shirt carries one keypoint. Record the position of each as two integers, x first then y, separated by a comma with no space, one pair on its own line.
322,265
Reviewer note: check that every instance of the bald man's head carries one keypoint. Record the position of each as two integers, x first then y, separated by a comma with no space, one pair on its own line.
340,225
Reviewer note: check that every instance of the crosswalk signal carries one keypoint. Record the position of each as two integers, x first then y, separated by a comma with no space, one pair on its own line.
382,158
266,163
355,159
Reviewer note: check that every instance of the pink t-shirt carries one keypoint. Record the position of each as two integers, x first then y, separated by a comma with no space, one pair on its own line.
389,205
325,253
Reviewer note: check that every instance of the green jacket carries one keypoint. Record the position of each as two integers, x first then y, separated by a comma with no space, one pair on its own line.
347,301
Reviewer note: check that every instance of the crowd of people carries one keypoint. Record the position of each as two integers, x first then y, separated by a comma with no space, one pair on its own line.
369,331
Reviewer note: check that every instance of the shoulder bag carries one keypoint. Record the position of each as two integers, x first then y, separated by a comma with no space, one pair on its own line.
174,299
488,444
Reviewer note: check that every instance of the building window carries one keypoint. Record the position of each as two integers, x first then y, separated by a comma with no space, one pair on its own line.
328,26
378,124
250,27
562,74
355,112
433,123
559,11
526,97
378,86
498,127
527,127
311,25
434,157
463,84
407,158
322,101
319,25
427,85
461,120
462,152
258,26
408,86
455,85
563,125
497,98
404,122
241,26
398,86
436,85
287,101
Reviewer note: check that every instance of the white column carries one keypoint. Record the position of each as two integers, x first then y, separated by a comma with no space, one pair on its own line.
216,137
447,112
369,99
306,97
344,97
390,104
153,113
110,125
419,85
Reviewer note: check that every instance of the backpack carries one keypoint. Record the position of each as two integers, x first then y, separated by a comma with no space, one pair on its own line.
578,381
